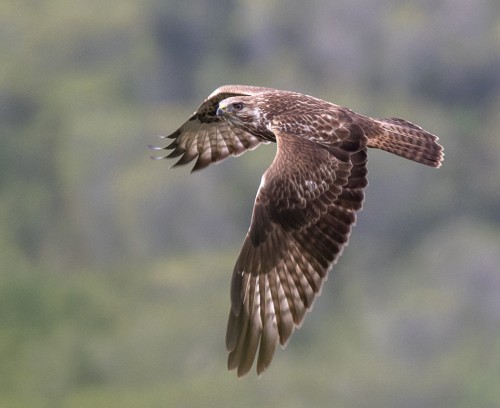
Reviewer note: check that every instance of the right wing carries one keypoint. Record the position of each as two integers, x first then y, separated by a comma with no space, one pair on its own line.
210,139
302,219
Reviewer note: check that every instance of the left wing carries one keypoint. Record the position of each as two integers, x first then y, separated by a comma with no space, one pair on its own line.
208,138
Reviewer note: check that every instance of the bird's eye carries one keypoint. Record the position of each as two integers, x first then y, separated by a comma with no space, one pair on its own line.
238,106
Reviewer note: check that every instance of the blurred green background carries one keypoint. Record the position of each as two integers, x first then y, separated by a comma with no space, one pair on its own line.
115,270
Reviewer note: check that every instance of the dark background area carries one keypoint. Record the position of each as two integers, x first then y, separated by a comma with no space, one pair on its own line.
115,270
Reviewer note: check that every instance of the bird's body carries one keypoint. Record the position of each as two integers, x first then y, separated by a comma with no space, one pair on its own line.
306,204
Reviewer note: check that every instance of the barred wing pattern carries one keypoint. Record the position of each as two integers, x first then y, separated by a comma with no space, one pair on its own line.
306,204
210,139
302,219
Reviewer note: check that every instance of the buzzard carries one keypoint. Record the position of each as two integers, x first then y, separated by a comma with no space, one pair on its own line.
306,203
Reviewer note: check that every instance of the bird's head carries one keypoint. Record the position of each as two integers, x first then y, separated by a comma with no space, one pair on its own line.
240,110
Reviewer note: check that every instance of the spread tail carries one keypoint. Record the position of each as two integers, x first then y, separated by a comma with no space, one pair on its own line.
407,140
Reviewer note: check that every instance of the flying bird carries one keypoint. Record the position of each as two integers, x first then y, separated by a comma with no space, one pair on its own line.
306,203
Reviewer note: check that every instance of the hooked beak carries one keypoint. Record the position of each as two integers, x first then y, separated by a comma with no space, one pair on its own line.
221,109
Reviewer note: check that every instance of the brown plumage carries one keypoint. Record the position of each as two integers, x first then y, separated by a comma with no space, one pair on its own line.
306,204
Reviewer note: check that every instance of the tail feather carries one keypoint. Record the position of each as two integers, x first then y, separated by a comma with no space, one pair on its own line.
408,140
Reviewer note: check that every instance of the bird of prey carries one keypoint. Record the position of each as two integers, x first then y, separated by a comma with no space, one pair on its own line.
306,203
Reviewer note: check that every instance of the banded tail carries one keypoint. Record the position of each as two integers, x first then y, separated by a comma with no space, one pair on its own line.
407,140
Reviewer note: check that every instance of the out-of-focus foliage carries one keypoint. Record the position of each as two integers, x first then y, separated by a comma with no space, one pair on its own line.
114,271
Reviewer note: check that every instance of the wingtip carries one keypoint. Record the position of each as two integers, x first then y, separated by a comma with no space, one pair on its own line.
243,370
155,148
261,369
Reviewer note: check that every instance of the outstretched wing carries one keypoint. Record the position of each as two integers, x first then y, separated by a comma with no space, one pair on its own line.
302,218
208,138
